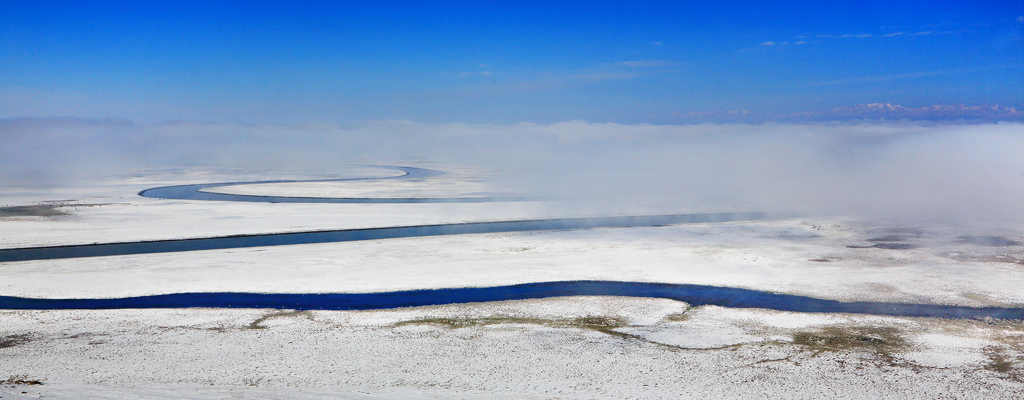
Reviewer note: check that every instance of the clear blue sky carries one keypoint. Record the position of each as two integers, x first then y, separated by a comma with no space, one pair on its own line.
501,62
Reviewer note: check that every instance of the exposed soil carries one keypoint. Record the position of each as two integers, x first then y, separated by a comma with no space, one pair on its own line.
258,323
13,340
999,258
887,246
881,340
595,323
678,317
45,210
998,361
20,380
987,240
889,238
915,232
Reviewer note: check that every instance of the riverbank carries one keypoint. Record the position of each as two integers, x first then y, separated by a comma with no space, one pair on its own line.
567,347
579,347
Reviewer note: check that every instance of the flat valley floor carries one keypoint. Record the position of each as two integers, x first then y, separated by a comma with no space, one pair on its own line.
569,347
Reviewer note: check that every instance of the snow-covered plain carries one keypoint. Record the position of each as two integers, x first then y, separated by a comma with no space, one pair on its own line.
111,211
795,256
578,347
523,349
460,183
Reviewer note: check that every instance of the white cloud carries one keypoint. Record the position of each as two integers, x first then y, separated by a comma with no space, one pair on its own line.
477,73
893,34
969,172
922,33
771,43
647,63
919,74
858,36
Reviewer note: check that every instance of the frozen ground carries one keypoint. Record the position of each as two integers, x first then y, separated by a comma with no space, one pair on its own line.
110,210
581,347
795,256
459,183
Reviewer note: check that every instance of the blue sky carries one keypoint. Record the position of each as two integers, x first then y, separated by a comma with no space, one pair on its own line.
499,62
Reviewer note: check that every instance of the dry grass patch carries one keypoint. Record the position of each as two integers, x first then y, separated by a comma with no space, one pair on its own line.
13,340
599,323
258,323
883,341
44,210
20,380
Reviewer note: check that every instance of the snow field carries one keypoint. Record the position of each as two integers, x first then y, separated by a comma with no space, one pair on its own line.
380,354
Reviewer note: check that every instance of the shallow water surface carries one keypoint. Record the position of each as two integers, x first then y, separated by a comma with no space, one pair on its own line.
348,235
696,295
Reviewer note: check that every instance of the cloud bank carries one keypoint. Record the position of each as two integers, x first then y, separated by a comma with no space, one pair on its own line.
955,172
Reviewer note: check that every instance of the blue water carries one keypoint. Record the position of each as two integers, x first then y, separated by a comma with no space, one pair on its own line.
348,235
696,295
192,192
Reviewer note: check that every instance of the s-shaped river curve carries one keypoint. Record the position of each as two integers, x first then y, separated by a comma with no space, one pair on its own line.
194,192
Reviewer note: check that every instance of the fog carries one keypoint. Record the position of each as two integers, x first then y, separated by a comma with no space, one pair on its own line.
904,170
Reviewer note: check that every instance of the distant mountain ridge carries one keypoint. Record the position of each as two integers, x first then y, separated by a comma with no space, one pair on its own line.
990,112
873,111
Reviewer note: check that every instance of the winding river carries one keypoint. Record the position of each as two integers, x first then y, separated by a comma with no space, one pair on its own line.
195,192
349,235
696,295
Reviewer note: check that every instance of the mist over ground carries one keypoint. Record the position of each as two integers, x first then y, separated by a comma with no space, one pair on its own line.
948,172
